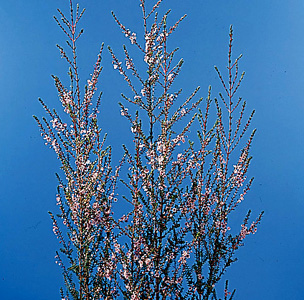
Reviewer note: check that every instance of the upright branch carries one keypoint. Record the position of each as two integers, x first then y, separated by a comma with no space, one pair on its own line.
151,265
218,186
87,188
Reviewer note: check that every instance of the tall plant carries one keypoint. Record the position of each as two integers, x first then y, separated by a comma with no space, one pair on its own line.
175,241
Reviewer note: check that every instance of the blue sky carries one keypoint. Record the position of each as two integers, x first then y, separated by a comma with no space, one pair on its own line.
269,34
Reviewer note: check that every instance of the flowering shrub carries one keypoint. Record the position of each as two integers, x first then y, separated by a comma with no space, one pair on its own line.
175,242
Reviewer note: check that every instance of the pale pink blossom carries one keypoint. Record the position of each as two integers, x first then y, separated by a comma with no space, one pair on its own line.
170,76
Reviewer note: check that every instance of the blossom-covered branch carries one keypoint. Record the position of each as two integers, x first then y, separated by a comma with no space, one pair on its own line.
87,188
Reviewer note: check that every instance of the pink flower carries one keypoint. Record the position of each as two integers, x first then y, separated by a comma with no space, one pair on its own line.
133,38
170,76
143,92
124,112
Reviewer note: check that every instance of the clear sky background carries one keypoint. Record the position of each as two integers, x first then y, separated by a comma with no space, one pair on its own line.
270,34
